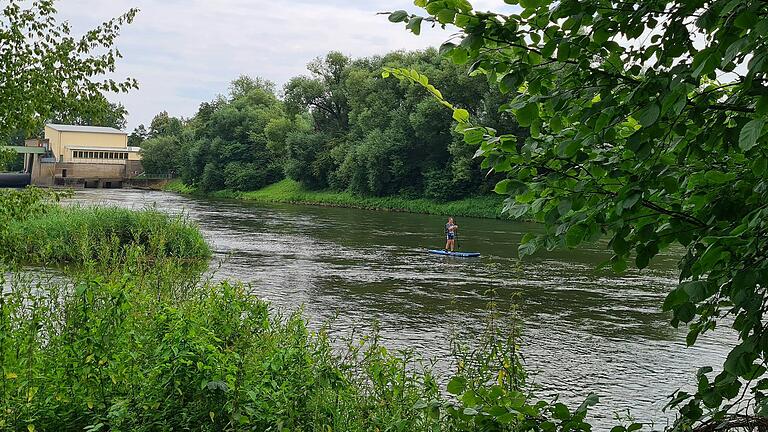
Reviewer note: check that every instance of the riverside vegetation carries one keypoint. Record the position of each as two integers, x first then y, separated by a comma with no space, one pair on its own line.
341,129
130,336
291,191
644,123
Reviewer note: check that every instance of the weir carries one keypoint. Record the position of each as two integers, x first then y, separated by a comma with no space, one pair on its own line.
32,156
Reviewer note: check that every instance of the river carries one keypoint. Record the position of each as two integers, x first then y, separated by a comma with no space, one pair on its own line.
585,330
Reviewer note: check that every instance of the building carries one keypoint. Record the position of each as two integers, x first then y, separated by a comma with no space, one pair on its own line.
83,156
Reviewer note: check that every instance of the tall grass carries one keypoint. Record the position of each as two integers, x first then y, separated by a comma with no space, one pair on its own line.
76,235
120,353
289,191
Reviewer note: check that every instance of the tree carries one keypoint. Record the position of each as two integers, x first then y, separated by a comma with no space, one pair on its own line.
138,136
94,111
647,127
160,155
44,70
164,125
323,93
240,87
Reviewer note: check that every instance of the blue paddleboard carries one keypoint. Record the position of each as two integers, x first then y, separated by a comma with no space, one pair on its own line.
455,254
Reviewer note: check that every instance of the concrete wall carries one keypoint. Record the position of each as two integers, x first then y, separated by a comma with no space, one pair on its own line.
90,171
133,168
42,172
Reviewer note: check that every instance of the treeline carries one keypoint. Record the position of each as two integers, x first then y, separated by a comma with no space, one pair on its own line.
342,127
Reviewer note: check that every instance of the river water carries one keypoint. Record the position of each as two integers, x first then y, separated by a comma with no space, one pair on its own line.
585,330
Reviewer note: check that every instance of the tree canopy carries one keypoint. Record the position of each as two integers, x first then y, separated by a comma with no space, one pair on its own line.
45,72
339,127
647,127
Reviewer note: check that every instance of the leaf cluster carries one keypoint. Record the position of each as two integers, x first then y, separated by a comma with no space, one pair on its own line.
647,128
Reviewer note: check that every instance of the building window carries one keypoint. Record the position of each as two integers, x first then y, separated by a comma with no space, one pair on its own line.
64,173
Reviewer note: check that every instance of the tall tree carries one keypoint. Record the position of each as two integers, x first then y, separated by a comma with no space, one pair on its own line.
95,111
323,93
164,125
647,127
44,70
138,136
245,84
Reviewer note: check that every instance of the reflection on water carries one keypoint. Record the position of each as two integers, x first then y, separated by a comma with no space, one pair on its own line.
585,329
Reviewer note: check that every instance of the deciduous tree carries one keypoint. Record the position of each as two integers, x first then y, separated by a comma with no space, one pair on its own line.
647,127
44,70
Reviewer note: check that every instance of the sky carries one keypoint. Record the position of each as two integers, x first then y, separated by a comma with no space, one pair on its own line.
184,52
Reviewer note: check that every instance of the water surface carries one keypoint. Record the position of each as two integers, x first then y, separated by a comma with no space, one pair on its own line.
585,330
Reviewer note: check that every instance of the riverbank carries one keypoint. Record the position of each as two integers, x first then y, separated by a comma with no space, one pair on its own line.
291,192
129,337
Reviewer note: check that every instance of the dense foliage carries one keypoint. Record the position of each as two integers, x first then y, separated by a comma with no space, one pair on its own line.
340,128
647,123
149,347
45,73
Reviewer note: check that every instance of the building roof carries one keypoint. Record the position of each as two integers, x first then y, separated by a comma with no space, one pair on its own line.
85,129
26,150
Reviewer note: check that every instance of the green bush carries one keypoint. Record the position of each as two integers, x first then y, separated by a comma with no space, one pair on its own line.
150,348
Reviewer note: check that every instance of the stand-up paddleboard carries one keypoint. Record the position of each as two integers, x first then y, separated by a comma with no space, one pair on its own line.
455,254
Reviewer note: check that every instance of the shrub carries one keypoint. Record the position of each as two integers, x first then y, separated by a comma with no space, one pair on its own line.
152,348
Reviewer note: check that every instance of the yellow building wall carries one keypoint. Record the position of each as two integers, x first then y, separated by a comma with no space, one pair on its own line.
54,137
61,140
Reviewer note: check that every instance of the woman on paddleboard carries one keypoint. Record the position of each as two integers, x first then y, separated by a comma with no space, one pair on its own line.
450,235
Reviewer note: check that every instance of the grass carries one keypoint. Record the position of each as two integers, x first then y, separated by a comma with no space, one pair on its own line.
289,191
77,235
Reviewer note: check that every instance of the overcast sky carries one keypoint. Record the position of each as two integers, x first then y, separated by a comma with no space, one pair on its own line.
184,52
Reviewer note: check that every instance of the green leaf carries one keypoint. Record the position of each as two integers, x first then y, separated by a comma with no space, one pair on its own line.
527,248
675,298
470,411
575,235
760,166
649,115
561,412
459,55
456,385
750,133
461,115
398,16
527,114
414,25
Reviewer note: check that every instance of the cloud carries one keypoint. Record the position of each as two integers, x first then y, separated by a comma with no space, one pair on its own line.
185,52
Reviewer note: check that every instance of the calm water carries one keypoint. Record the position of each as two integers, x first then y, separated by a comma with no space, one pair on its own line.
584,329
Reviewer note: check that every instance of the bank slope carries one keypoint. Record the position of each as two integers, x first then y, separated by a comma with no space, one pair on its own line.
289,191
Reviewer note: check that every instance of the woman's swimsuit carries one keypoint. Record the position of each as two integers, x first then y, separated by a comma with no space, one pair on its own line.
449,235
